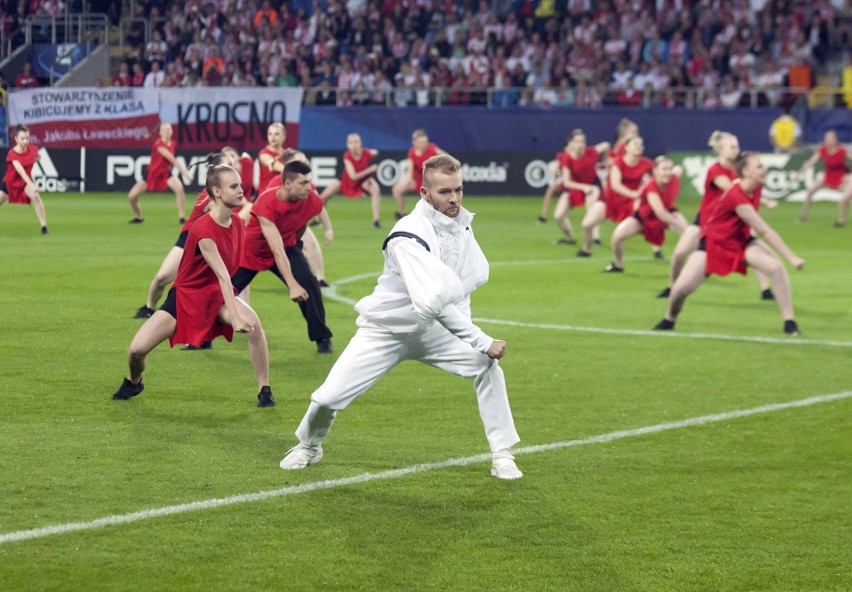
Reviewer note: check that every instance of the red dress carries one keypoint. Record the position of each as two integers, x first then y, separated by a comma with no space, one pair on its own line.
15,184
583,170
726,234
835,166
290,217
198,294
619,207
266,176
712,193
653,228
348,186
417,161
159,169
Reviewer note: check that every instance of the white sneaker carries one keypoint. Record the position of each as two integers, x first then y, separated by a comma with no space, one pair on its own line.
503,466
301,456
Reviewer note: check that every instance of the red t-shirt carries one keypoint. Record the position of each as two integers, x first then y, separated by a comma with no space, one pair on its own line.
726,234
290,217
15,184
668,195
266,176
583,169
348,186
159,166
417,161
619,207
198,294
711,191
835,166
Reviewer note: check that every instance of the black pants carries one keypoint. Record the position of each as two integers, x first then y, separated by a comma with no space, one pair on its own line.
312,309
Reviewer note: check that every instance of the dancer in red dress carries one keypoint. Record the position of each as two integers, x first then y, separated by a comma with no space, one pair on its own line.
357,179
271,157
202,303
421,151
18,186
655,213
159,177
727,245
836,175
579,183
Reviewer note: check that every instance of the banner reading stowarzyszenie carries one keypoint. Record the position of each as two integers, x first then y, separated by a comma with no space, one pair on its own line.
86,117
208,119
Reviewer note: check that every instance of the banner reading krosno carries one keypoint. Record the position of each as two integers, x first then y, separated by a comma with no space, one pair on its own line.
206,118
86,117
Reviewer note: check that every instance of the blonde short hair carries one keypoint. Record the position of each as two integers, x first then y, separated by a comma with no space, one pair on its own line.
443,163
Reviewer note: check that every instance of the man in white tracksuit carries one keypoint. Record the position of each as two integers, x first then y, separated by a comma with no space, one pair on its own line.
420,310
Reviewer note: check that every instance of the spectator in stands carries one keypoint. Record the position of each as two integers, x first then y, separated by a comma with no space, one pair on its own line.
157,49
731,95
26,78
138,78
122,77
154,78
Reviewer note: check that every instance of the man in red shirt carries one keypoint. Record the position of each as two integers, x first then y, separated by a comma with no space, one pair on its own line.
273,243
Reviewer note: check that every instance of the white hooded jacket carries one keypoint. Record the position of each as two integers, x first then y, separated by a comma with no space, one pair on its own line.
432,264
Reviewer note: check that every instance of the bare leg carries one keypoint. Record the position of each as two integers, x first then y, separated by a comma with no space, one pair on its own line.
595,214
591,198
627,228
330,191
4,197
765,261
375,193
809,196
313,253
398,191
686,245
843,204
258,348
692,276
38,206
548,199
133,197
180,198
151,334
165,276
561,217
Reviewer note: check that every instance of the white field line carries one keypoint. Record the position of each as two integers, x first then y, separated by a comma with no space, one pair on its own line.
114,520
331,293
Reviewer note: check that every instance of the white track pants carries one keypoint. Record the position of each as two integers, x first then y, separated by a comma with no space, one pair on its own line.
373,352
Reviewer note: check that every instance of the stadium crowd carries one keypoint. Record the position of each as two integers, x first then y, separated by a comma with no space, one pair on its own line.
582,53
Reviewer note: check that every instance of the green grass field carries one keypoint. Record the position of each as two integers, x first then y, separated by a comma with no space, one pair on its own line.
758,502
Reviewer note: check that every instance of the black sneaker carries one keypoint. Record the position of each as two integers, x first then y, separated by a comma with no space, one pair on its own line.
613,268
143,312
128,390
582,253
44,229
377,224
181,221
541,220
137,221
665,293
659,255
664,325
791,328
597,242
204,345
565,241
314,223
767,294
323,284
265,398
399,216
839,224
324,346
